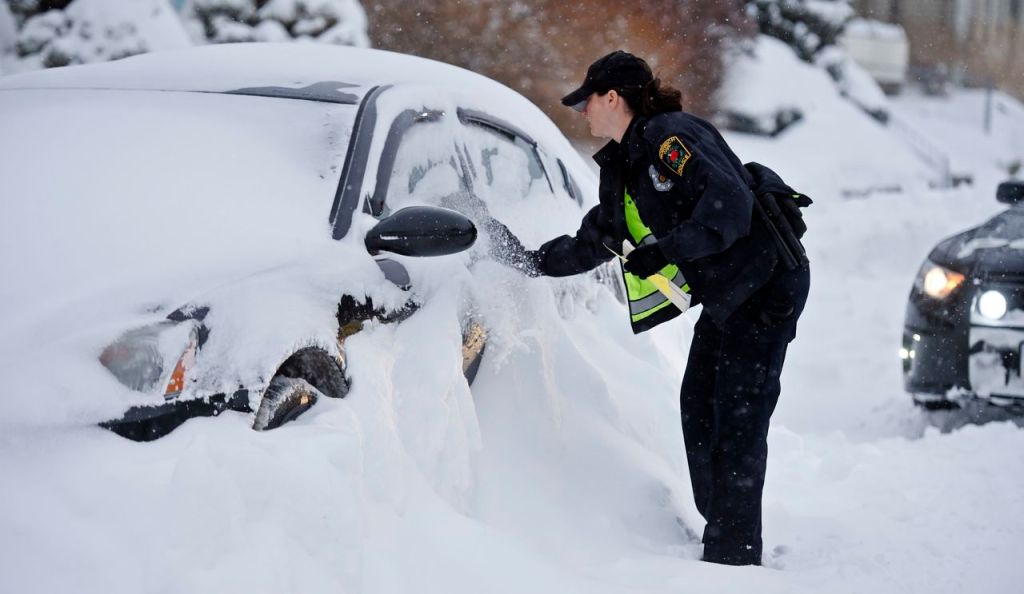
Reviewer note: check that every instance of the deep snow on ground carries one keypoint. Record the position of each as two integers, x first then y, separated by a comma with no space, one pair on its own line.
561,469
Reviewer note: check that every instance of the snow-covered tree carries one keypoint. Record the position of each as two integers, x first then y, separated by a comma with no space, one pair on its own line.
341,22
61,32
541,48
808,26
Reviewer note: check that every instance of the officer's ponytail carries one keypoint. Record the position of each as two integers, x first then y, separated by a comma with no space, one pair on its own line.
653,98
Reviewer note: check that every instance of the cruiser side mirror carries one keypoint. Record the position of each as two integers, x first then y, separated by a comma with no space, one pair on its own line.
1010,192
422,231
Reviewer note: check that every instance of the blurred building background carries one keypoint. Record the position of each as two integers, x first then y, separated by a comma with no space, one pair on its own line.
542,47
974,41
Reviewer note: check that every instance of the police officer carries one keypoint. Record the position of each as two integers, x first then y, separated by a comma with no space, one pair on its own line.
672,187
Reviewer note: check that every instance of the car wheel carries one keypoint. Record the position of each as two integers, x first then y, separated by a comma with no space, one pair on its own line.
284,400
934,402
474,341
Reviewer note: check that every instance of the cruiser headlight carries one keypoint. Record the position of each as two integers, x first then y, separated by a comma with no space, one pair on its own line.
992,305
936,281
156,355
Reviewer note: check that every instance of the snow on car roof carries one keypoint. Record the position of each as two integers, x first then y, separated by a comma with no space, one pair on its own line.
310,70
337,74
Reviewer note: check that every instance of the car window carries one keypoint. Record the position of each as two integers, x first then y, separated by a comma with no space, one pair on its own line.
418,166
503,166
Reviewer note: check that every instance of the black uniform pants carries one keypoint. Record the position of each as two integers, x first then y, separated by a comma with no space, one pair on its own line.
729,392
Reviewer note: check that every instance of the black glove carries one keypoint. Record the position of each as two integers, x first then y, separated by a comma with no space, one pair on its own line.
533,263
645,260
506,248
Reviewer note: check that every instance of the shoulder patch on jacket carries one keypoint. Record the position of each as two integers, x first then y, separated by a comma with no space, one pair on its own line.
674,154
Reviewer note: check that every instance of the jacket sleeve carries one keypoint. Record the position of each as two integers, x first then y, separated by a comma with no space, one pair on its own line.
722,212
568,255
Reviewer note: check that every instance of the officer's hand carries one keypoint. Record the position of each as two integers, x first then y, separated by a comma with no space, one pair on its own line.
645,260
506,248
532,264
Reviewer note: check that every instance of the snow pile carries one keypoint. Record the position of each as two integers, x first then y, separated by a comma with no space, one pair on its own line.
856,84
835,145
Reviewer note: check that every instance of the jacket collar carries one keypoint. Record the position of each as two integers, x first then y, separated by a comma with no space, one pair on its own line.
630,149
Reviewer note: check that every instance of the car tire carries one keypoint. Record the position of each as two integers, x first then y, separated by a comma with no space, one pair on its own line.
932,402
474,342
284,400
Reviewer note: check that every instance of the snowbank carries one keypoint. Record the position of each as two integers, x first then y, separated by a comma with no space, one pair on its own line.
836,148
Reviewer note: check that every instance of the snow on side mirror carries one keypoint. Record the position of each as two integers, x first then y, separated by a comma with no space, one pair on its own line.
422,231
1010,192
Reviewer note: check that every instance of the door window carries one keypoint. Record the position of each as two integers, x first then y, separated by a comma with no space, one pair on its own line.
418,165
504,166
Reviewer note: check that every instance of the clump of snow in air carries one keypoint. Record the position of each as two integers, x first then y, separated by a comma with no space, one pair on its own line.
561,469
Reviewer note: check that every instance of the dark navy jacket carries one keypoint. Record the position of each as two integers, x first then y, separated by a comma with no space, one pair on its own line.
701,216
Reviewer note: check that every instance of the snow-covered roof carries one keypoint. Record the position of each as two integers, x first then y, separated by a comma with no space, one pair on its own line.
228,67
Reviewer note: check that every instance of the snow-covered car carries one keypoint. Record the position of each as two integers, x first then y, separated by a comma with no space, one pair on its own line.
882,49
964,329
198,231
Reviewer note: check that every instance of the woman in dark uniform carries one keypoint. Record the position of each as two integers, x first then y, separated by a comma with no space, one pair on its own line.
672,187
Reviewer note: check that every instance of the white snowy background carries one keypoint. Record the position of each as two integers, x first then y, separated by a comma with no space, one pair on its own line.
562,469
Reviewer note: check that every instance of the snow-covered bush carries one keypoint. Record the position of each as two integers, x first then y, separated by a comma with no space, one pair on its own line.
808,26
8,30
56,33
46,33
341,22
812,30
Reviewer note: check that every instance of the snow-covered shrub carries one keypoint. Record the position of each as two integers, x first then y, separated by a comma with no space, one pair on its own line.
58,33
812,30
341,22
23,10
808,26
541,48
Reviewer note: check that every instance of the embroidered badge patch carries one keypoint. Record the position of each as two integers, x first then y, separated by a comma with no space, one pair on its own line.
674,154
661,183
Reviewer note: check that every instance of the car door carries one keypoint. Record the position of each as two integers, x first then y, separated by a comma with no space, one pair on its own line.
420,164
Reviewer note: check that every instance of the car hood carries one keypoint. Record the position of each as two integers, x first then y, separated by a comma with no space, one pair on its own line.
994,249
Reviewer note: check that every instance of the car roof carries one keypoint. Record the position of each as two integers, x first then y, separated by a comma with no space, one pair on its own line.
304,71
309,71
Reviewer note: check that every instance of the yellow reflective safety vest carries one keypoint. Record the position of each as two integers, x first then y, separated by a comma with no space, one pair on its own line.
648,307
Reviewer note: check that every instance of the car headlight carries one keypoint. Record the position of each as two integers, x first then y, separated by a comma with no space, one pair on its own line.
158,354
936,281
992,305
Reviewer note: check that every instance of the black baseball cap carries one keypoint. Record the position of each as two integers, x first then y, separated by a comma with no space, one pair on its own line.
616,70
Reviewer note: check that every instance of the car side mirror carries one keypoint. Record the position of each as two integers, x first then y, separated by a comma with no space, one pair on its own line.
1010,192
422,231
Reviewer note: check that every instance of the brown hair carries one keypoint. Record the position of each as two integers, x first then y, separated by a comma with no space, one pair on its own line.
653,98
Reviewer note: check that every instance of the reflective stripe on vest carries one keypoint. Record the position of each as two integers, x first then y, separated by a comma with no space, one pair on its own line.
644,297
